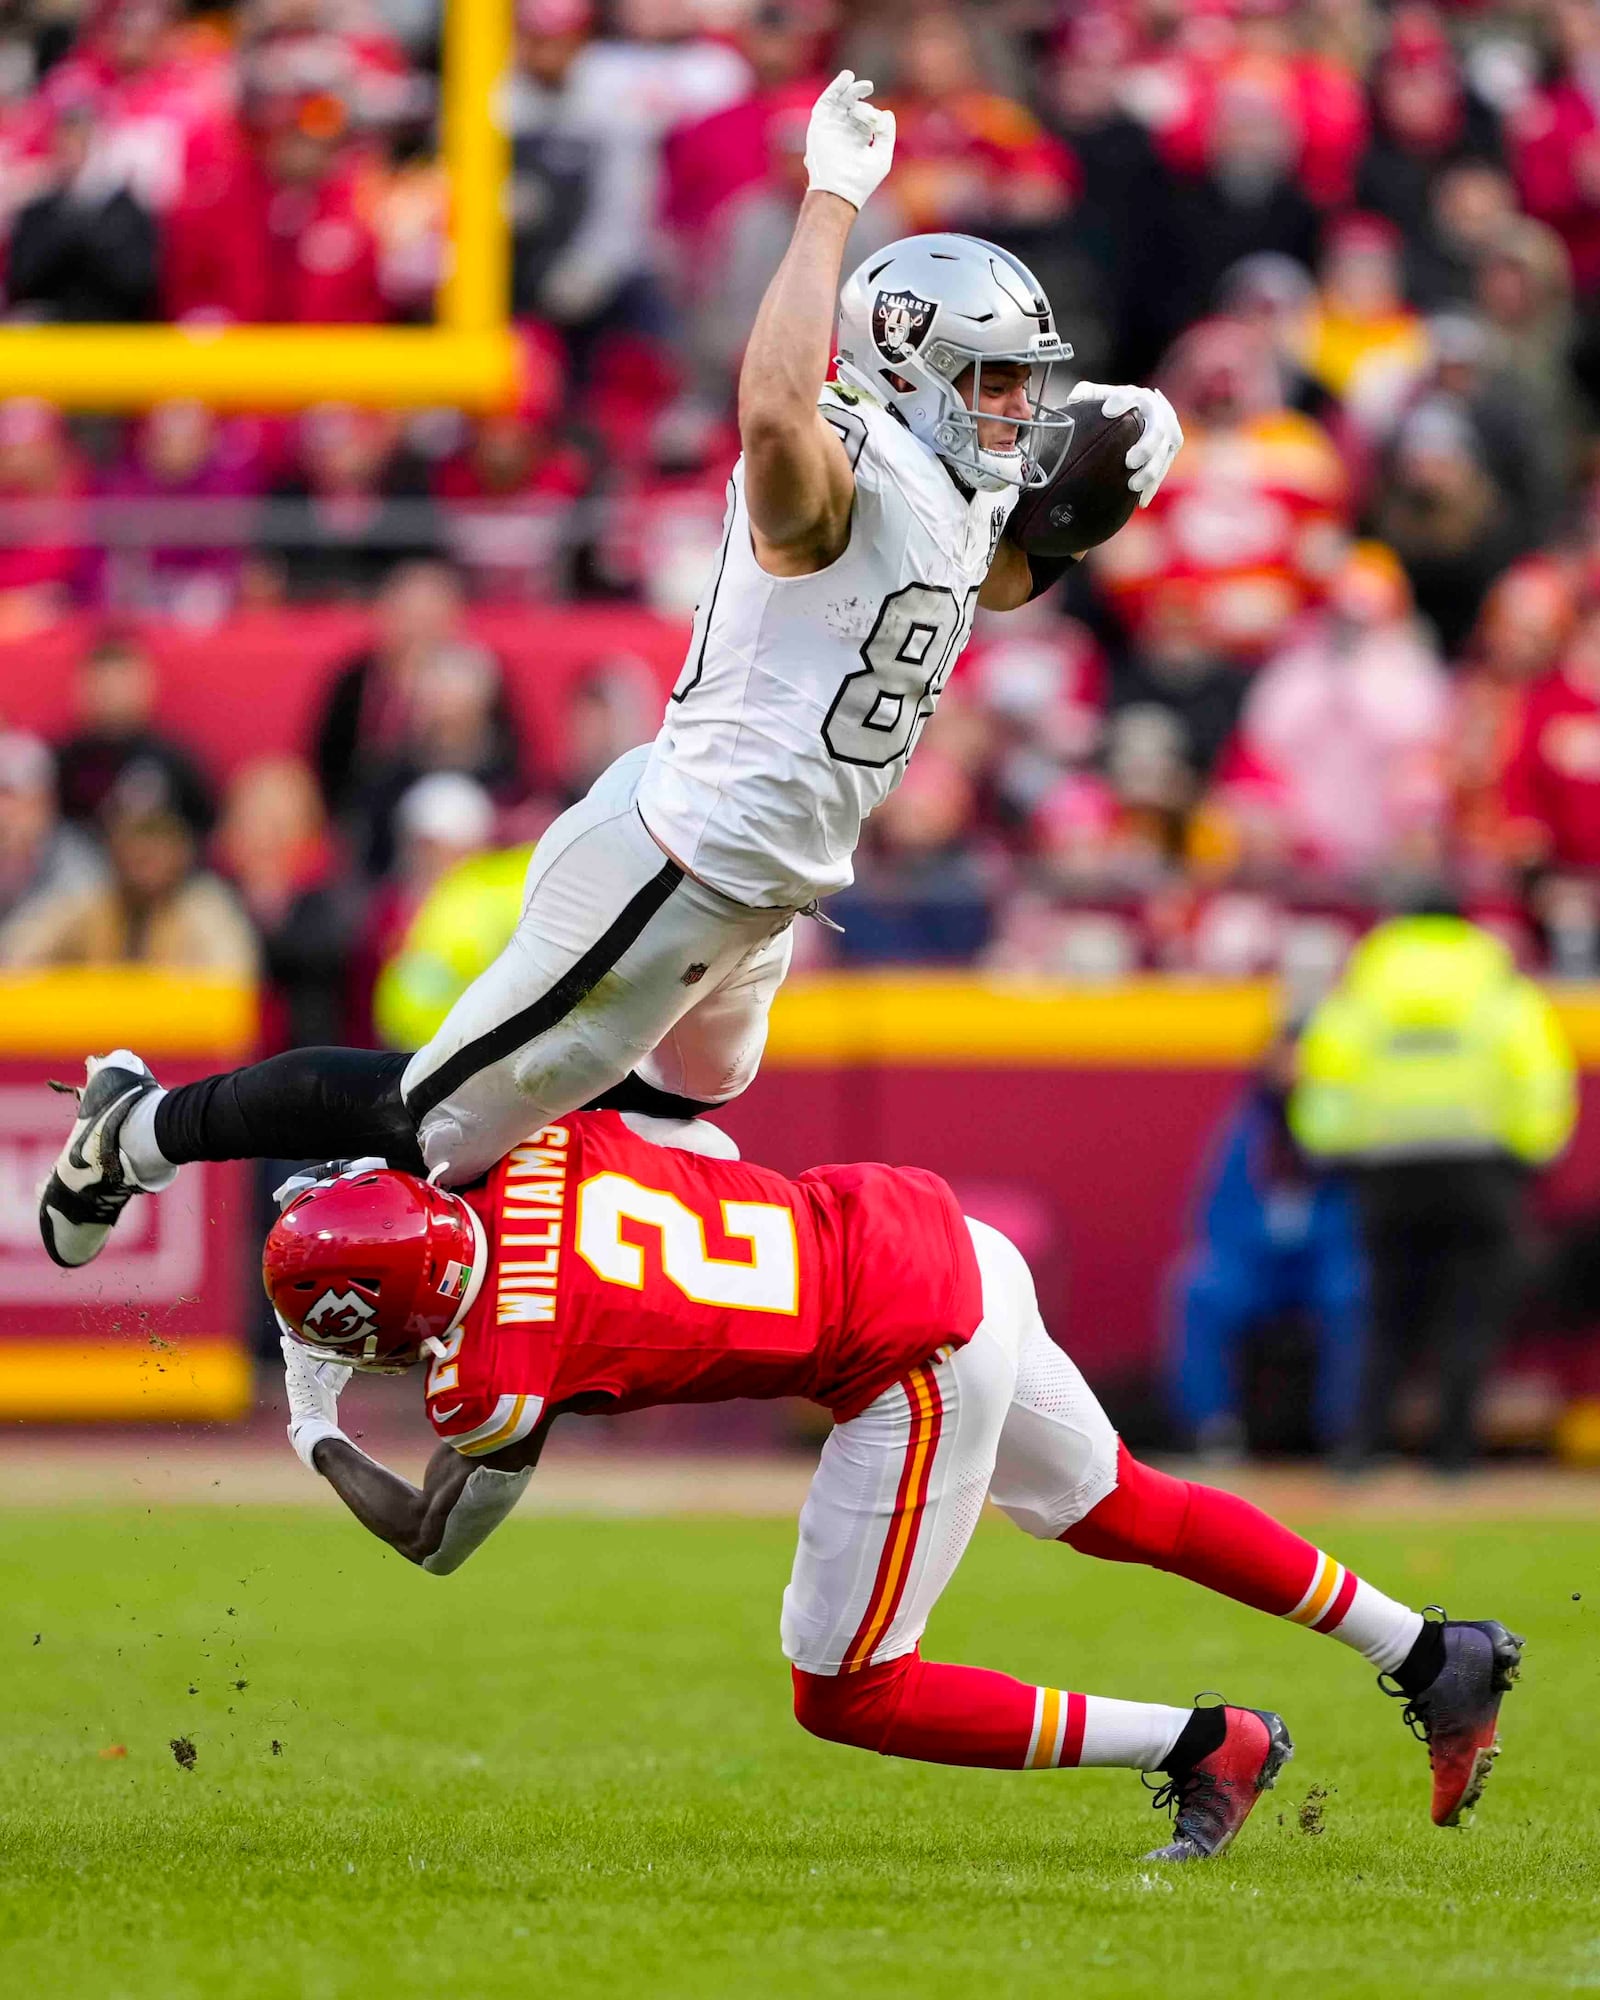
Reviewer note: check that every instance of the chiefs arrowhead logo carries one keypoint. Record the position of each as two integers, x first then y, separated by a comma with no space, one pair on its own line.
900,322
338,1318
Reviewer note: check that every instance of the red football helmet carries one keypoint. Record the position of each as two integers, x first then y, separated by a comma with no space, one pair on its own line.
370,1267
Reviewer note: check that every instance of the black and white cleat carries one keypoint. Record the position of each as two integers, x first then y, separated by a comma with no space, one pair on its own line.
89,1187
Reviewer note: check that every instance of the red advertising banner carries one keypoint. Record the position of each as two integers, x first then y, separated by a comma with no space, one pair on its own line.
153,1329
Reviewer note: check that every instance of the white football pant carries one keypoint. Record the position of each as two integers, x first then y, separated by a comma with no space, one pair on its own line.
899,1488
620,962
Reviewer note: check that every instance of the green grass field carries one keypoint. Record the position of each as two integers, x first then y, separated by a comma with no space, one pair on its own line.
571,1770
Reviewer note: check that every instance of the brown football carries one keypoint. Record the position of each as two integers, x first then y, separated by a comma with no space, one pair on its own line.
1086,499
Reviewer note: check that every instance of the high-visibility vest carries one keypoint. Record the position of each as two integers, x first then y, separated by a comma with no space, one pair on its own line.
1433,1045
465,922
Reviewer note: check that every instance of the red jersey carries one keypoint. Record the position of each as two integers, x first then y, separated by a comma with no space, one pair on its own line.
649,1275
1551,788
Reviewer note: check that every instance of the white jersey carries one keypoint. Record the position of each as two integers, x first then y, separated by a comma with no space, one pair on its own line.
802,697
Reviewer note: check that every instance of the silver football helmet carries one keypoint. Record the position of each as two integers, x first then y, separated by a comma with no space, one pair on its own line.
916,316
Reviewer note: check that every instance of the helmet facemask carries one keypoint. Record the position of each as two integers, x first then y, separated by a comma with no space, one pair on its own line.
915,318
1042,437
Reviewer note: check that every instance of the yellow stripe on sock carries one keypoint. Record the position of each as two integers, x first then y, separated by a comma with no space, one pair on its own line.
1046,1745
1320,1595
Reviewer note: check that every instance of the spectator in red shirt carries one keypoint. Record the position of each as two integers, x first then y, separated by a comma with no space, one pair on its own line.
160,93
1253,513
281,235
1552,784
1526,622
1555,143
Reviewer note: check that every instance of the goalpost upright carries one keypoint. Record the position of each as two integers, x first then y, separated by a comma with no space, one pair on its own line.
468,357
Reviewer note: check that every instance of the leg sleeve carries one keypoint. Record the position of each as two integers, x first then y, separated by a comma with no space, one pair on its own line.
891,1509
307,1104
714,1050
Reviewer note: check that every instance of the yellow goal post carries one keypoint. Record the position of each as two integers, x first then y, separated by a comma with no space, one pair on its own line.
467,358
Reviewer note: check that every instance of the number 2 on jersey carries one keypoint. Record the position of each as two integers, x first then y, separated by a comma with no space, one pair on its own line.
878,712
769,1281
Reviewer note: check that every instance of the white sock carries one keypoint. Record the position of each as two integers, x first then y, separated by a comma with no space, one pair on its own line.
1338,1603
142,1159
1381,1630
1138,1735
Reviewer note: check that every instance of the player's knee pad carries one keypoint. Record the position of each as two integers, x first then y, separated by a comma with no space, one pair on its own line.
1141,1520
858,1709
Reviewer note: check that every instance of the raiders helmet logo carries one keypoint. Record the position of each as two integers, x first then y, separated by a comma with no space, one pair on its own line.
900,322
338,1318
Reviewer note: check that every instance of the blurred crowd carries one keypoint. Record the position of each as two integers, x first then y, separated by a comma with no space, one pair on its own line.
1350,655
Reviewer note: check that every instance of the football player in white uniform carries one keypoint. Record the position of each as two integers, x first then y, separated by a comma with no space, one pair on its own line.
865,525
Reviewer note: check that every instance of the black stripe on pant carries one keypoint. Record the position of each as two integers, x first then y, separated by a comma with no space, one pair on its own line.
553,1006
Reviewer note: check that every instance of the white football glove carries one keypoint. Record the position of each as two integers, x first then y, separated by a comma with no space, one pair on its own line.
313,1388
849,143
1150,460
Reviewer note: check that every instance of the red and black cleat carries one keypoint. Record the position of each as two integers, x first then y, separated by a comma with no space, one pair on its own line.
1457,1714
1212,1799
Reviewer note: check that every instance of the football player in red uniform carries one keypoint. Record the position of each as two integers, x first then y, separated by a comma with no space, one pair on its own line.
597,1271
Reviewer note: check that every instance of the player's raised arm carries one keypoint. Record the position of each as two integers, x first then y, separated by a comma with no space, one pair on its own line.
798,483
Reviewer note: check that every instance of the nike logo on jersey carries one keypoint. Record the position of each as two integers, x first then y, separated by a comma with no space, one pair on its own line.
444,1416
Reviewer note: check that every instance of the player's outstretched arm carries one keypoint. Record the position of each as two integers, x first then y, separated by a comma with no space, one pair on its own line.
437,1526
799,485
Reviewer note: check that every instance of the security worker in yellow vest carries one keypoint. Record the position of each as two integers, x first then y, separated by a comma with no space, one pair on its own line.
1440,1077
464,923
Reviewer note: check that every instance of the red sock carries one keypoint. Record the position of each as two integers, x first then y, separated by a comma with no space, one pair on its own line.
942,1714
1213,1538
912,1707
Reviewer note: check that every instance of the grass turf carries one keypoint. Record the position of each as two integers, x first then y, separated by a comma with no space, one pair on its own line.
571,1770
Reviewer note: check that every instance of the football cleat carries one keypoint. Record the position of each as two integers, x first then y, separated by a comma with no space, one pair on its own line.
1457,1714
89,1186
1212,1799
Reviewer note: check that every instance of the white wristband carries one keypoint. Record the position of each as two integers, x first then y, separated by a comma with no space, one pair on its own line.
306,1433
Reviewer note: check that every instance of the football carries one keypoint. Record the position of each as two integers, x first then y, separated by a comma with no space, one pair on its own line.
1087,498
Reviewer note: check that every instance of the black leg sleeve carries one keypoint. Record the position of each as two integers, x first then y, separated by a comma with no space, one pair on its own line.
307,1104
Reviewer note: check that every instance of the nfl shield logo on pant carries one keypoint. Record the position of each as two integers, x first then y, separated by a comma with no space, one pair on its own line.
695,974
